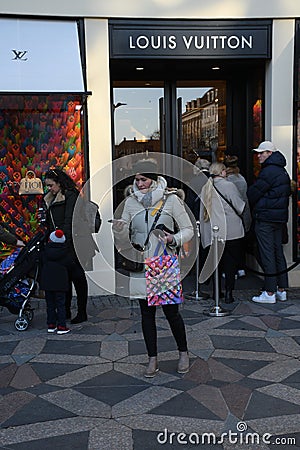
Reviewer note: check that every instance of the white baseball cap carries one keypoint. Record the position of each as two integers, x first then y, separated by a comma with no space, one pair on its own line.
266,146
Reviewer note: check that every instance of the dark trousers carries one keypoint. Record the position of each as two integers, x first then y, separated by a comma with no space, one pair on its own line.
56,309
149,326
272,259
231,261
78,278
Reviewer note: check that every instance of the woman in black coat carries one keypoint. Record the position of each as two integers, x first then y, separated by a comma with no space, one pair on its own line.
60,202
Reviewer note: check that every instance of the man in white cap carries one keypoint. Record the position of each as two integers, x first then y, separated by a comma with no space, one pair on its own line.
269,200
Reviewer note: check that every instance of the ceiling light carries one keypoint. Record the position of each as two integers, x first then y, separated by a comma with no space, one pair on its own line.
215,68
139,68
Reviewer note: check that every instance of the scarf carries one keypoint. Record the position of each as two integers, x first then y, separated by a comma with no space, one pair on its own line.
154,193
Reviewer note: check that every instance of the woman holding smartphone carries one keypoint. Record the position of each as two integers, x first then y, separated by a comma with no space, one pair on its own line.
148,195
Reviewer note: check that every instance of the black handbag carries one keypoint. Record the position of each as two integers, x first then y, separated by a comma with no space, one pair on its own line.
132,260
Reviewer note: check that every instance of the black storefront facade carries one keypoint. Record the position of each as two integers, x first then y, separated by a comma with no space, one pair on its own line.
230,55
233,58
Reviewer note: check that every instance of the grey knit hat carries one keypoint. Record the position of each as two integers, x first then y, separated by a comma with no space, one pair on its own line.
146,167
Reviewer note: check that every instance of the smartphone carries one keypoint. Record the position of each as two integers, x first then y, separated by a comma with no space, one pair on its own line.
115,220
163,227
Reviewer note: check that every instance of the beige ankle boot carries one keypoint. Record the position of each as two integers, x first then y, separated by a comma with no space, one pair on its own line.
183,363
152,368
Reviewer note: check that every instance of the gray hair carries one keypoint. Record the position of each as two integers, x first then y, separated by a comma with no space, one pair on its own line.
202,164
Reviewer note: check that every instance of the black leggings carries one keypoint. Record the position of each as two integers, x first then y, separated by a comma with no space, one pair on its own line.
78,278
231,261
149,326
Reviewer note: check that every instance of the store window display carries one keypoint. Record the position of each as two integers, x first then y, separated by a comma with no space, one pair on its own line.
37,132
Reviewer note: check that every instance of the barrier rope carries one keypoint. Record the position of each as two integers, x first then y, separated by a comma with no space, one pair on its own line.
257,272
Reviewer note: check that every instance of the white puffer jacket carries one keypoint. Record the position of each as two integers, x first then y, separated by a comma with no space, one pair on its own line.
139,221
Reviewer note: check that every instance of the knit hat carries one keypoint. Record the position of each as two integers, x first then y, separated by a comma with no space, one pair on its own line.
231,161
266,146
146,167
58,236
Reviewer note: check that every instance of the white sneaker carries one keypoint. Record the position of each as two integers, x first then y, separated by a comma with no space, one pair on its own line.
241,273
281,296
264,297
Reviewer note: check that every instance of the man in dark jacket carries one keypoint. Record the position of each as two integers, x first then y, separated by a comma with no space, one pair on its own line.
269,201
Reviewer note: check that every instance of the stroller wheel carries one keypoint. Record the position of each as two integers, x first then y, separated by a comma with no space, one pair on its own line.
29,314
21,324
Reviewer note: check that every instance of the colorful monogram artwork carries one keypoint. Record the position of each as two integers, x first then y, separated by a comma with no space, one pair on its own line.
163,282
37,133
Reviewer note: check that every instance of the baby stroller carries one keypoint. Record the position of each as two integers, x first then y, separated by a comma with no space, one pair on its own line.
19,281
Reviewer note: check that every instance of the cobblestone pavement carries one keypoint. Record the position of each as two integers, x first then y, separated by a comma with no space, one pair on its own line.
86,390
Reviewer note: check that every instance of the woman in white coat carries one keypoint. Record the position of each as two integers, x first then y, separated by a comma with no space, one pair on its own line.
147,195
222,205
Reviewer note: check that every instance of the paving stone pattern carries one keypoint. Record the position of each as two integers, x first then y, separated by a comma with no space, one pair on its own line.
86,389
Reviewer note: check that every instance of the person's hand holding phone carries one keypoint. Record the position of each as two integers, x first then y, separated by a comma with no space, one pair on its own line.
117,224
168,238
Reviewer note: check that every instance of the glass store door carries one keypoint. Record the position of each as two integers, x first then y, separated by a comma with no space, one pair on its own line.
201,120
183,118
186,118
137,120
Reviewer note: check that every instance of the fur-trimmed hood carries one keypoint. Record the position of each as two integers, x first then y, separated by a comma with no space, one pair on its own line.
49,198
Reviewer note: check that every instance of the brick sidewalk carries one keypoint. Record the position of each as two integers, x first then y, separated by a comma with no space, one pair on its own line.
86,390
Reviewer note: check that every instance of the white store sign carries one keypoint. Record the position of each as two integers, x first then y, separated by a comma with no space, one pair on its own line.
39,56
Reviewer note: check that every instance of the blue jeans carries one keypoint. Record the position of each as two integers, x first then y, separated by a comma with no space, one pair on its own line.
56,308
272,259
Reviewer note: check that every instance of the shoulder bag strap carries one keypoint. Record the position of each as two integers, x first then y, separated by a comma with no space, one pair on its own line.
229,203
157,216
52,220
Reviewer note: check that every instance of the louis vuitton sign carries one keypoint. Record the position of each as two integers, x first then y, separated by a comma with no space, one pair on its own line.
190,40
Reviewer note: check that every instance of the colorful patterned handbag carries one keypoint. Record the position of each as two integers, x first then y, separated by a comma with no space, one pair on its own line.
163,283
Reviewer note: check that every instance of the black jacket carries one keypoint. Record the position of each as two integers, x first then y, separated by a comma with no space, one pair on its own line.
269,195
59,212
56,266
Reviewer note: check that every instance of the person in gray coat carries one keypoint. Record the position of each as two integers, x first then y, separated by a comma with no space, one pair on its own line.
234,175
148,193
222,205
